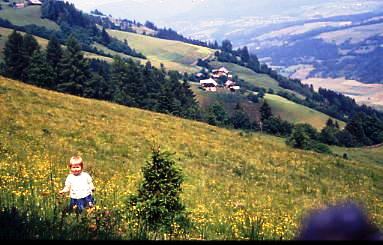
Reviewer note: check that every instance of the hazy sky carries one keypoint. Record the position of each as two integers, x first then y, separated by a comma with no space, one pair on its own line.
167,11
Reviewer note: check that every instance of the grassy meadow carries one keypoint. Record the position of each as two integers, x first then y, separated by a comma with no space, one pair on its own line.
296,113
365,154
286,109
26,16
173,54
237,185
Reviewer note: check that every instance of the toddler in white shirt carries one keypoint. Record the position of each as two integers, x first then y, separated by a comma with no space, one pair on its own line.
79,184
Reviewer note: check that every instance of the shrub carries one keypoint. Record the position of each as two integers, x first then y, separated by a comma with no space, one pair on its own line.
157,205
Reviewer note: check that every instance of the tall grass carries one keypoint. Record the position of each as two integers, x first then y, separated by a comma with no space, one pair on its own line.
237,185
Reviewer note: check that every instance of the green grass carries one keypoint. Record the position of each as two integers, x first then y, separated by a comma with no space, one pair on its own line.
26,16
297,113
368,155
173,54
114,53
286,109
231,178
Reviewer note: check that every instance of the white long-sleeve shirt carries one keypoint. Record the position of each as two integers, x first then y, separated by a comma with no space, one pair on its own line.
80,186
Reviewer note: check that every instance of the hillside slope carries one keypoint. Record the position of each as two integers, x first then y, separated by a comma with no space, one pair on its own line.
229,176
174,55
26,16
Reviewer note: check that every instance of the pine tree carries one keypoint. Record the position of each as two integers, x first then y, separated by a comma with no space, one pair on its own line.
30,45
330,123
158,200
40,72
118,75
73,69
265,111
54,55
299,139
105,38
356,127
12,55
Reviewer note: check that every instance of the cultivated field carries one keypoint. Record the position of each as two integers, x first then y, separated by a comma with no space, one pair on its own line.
237,185
369,94
353,35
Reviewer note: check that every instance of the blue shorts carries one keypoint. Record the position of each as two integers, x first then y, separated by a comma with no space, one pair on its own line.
81,203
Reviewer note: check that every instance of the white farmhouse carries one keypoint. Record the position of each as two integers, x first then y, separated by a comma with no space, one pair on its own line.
209,84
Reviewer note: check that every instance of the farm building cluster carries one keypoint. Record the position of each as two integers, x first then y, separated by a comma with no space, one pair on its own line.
23,4
221,77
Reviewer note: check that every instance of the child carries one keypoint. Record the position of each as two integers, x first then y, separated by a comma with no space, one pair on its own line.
79,184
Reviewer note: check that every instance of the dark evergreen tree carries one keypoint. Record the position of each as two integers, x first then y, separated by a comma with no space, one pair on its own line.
277,126
265,111
73,69
345,138
355,127
244,54
226,46
240,120
13,56
40,72
190,107
328,135
158,200
217,115
309,130
119,80
330,123
30,45
105,38
299,139
54,54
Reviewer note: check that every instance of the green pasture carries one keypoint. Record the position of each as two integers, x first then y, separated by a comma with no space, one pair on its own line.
173,54
297,113
366,154
26,16
106,50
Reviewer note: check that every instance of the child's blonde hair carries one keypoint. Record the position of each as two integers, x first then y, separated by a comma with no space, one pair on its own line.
76,160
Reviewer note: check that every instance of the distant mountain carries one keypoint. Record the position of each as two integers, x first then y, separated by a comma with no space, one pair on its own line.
347,46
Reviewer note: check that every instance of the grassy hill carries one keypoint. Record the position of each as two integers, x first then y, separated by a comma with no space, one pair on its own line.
366,154
174,55
26,16
286,109
232,179
296,113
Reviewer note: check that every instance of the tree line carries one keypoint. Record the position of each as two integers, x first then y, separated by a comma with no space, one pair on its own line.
83,27
129,83
124,81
